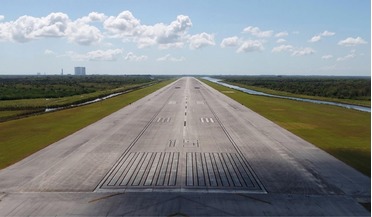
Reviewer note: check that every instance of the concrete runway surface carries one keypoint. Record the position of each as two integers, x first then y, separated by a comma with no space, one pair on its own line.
185,150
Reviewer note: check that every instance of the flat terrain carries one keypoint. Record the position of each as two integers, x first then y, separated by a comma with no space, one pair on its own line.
23,137
344,133
183,150
23,96
343,89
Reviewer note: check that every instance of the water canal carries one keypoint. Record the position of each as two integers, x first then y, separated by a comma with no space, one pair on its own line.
253,92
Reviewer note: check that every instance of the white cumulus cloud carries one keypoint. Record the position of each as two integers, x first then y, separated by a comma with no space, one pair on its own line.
230,42
129,28
83,34
49,52
282,48
95,27
294,51
169,57
250,46
315,38
318,37
244,46
166,36
132,57
327,33
201,40
54,25
5,32
172,35
93,17
255,31
327,57
125,24
349,56
352,41
2,17
303,51
27,28
281,40
281,34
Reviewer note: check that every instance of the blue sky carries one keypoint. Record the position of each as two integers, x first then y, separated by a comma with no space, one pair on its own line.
253,37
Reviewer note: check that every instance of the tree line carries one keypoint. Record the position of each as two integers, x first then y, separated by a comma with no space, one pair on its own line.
32,87
358,88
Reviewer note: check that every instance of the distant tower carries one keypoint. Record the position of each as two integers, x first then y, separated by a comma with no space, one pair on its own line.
79,70
61,71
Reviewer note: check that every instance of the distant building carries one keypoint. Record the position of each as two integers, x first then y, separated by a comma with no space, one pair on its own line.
79,70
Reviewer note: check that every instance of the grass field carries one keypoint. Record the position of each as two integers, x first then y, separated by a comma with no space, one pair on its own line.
282,93
344,133
20,138
347,89
12,109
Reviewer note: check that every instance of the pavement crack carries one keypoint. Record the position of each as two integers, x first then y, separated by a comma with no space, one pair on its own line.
253,198
105,197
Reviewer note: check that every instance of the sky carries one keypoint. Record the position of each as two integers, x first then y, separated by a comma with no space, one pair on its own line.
213,37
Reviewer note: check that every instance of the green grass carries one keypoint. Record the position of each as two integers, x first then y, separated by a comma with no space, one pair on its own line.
20,138
4,114
366,103
344,133
13,109
61,101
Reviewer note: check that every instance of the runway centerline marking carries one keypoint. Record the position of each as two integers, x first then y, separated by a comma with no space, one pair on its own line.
185,165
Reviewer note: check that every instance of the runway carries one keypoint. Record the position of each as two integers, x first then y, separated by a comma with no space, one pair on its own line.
183,150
